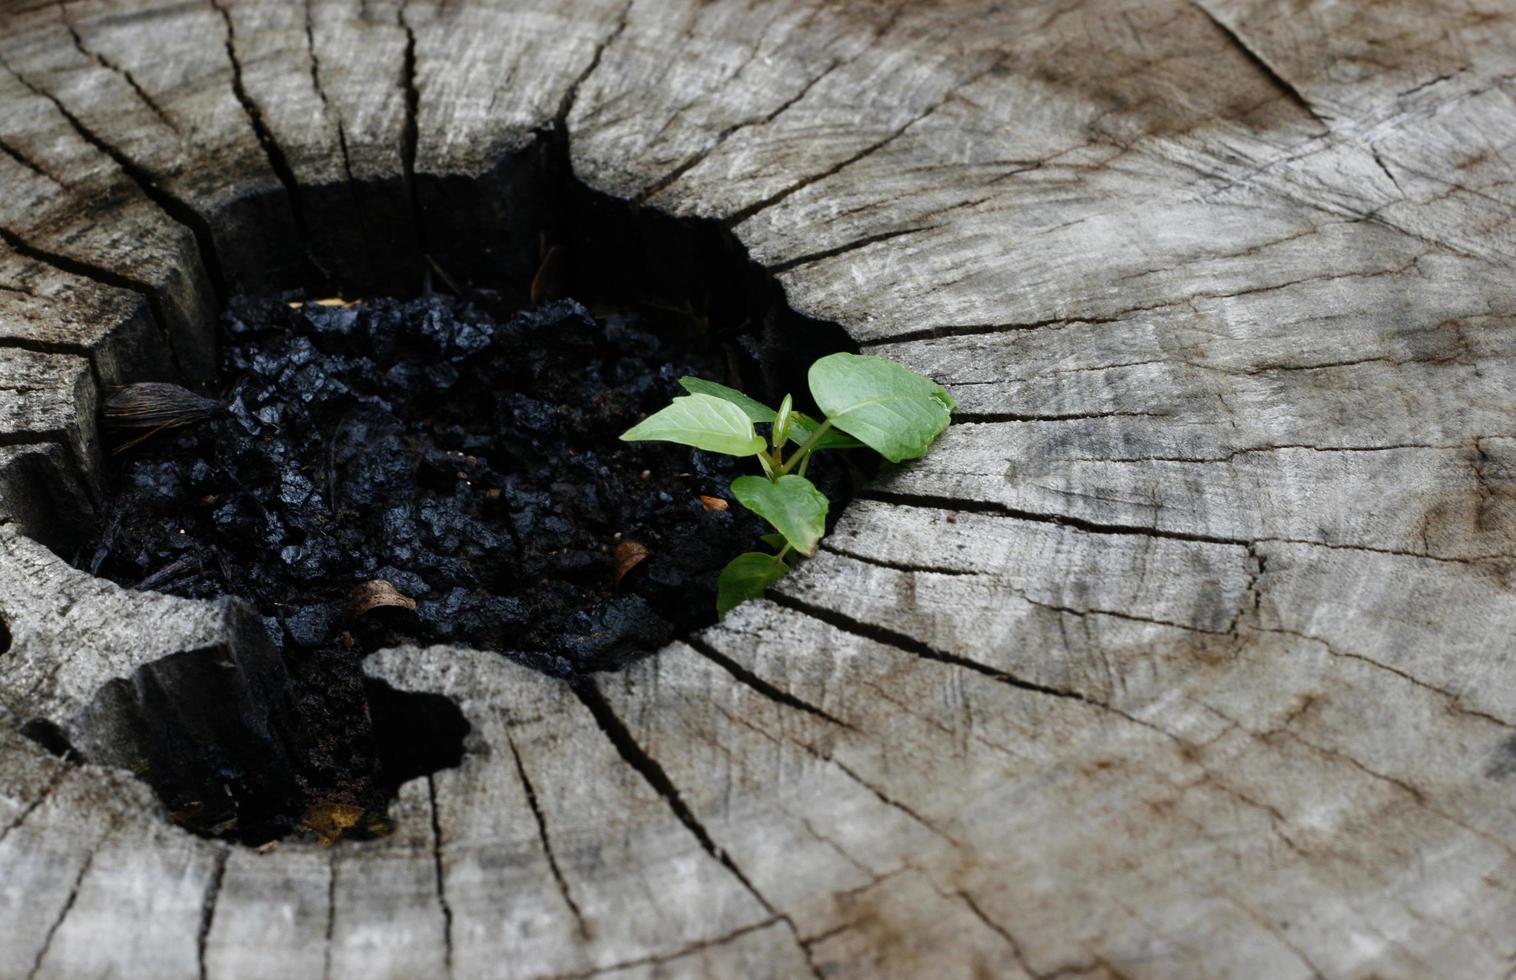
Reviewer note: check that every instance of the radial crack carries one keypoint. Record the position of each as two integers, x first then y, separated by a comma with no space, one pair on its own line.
654,775
909,644
831,253
663,183
208,908
106,63
566,104
176,208
742,214
277,161
752,680
68,906
547,844
1268,70
1078,523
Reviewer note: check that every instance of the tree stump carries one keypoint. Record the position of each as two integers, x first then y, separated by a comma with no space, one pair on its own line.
1187,652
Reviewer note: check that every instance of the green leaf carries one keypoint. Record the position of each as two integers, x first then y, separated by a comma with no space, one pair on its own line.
755,410
792,504
745,577
887,406
781,430
702,421
801,427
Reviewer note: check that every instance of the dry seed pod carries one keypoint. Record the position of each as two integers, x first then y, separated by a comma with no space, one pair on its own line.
156,405
629,554
372,595
153,406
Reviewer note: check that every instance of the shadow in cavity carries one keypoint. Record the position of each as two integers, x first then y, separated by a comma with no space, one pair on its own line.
5,636
415,734
232,753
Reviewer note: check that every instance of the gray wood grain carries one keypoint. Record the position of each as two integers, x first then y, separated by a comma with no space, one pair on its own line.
1188,652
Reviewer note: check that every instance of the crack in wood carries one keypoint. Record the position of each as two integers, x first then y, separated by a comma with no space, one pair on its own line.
30,164
174,207
668,179
571,95
661,958
68,904
439,873
410,131
359,212
699,644
60,773
742,214
277,160
1268,71
830,253
331,917
891,802
208,908
1454,701
547,845
910,644
106,63
655,776
104,276
1064,520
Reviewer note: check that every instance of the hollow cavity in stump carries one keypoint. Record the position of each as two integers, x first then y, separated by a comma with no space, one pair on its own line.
425,471
471,463
434,470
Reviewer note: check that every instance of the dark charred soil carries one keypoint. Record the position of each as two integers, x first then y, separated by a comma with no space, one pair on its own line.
433,471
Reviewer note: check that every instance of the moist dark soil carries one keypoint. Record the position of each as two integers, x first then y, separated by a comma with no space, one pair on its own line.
466,457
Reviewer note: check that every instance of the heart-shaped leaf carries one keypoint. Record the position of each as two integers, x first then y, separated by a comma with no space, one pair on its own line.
755,410
702,421
745,577
885,405
800,425
792,504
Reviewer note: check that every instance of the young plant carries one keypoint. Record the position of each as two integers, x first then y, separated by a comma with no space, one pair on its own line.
866,402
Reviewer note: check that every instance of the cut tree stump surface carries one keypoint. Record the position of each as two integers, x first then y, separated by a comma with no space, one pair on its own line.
1186,652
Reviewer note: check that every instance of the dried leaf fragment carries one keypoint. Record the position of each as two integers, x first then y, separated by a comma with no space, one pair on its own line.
375,594
330,822
628,555
325,301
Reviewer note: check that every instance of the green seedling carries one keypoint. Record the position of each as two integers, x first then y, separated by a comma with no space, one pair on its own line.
867,402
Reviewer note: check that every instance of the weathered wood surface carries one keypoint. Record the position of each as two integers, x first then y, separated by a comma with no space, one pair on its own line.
1187,653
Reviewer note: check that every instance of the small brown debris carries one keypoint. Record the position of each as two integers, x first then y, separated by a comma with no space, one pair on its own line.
330,822
153,406
628,555
324,301
375,594
713,503
952,518
549,281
